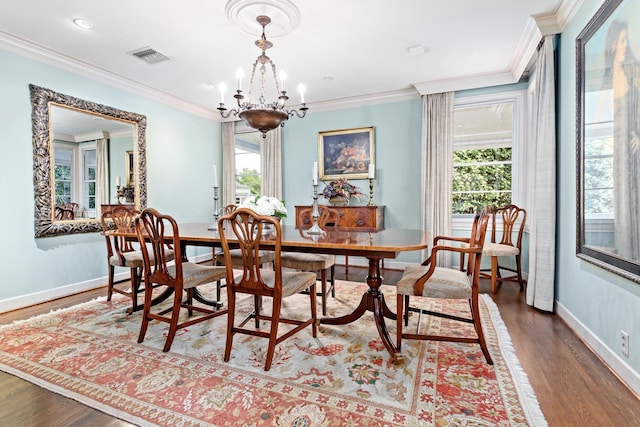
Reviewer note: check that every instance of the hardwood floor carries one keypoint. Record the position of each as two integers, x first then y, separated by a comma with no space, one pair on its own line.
573,386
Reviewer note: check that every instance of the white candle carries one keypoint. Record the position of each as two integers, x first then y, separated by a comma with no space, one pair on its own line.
372,170
118,181
301,90
239,75
222,88
314,173
283,77
215,176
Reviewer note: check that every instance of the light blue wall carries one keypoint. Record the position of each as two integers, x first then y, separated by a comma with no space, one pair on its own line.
181,148
397,128
603,302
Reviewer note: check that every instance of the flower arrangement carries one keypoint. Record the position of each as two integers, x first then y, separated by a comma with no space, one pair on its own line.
341,187
265,205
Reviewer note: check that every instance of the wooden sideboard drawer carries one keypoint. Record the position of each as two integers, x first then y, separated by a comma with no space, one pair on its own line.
353,217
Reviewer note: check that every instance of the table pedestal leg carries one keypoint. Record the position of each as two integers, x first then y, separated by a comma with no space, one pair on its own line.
372,300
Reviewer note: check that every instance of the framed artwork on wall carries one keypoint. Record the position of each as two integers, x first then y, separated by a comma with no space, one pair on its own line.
608,139
129,167
345,153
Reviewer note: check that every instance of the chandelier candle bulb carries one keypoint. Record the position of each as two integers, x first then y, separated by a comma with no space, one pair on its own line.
314,173
301,90
118,181
239,75
372,170
215,176
222,88
283,77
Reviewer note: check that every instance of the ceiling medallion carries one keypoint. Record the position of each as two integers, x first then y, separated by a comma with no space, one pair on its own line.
284,14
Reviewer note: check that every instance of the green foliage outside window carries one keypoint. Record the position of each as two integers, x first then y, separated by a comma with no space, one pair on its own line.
598,177
481,177
250,178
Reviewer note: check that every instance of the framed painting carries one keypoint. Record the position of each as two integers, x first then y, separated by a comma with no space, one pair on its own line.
129,169
608,139
345,153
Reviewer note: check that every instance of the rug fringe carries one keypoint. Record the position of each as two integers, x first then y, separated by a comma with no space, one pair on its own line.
528,399
56,310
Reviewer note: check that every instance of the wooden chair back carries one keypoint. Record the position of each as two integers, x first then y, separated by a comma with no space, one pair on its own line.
122,219
476,242
247,228
159,241
513,221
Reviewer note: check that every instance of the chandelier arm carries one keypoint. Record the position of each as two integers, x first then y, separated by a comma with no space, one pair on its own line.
304,109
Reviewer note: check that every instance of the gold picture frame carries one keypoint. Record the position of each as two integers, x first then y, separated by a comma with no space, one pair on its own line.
345,153
129,170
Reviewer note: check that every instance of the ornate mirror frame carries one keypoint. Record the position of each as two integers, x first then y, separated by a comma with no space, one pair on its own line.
607,166
41,100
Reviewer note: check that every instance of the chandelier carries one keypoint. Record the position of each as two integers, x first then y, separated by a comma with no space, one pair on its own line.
262,115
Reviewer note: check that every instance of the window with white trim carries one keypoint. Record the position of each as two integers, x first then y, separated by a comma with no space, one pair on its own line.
248,158
488,155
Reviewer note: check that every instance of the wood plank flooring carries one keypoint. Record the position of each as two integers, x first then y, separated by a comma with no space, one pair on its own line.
573,386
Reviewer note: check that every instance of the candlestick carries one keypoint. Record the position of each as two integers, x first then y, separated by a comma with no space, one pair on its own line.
315,228
371,203
216,211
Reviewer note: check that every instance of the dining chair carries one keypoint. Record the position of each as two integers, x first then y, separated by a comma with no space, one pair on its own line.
122,252
246,228
266,257
428,280
513,220
317,263
159,239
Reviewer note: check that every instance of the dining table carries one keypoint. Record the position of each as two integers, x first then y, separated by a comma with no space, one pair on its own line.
374,245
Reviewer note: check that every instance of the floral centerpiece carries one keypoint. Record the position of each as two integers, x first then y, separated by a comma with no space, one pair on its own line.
341,188
265,205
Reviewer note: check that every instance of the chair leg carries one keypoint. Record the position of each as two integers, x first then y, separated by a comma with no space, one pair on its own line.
475,313
231,307
333,281
145,314
519,271
323,282
173,326
406,313
314,310
257,307
110,284
494,274
273,334
136,281
400,300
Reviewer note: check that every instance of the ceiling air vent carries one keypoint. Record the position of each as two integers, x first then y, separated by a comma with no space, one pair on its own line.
149,55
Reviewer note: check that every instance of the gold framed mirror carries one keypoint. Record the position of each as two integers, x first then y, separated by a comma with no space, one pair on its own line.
45,103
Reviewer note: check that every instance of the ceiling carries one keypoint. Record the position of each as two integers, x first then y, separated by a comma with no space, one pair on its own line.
343,51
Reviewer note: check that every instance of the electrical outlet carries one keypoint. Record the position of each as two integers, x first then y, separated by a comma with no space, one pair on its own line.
624,343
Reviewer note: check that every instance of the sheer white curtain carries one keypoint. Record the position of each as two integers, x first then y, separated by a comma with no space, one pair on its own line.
271,164
542,215
437,166
228,195
102,174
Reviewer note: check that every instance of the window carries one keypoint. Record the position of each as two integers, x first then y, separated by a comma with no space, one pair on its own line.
74,170
248,159
486,153
62,174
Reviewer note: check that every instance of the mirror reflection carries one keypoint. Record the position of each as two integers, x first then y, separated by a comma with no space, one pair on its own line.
86,158
92,163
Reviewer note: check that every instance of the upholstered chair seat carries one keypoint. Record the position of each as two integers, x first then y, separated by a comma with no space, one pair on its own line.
444,283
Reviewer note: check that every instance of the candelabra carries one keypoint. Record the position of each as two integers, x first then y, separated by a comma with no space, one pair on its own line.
216,212
119,193
315,228
371,203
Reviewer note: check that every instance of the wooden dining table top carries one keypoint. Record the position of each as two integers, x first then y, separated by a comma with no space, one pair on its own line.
386,243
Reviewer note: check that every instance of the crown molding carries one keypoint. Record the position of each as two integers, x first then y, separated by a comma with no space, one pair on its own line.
465,82
362,101
59,60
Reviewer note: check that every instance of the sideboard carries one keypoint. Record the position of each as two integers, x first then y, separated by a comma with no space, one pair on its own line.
363,218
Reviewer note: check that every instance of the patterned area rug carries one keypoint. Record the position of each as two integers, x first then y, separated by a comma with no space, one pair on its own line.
344,377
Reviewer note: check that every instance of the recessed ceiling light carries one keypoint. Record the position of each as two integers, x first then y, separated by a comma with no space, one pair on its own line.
83,23
417,50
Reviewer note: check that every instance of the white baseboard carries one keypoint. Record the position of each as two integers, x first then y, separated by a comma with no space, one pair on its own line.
34,298
618,365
